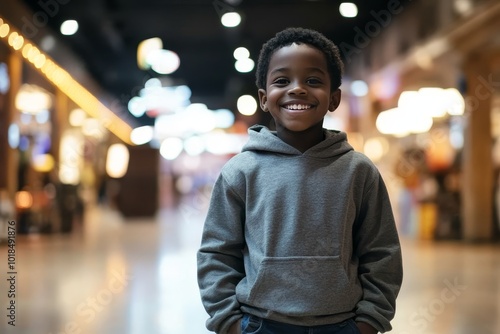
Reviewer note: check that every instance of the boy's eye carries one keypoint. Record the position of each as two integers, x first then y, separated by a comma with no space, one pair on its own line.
281,81
313,81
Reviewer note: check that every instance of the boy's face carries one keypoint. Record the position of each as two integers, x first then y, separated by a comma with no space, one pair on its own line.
298,89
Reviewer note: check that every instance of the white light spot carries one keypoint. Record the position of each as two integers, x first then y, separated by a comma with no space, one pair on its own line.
348,9
241,53
231,19
244,65
247,105
359,88
69,27
142,135
171,148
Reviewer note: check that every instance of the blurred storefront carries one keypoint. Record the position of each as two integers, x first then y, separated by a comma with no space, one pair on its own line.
434,78
56,126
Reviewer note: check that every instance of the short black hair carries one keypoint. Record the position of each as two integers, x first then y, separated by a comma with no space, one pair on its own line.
301,36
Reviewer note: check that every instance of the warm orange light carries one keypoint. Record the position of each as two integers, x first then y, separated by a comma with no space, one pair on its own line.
40,61
32,99
12,38
26,50
66,84
33,53
4,30
18,43
43,163
117,160
24,200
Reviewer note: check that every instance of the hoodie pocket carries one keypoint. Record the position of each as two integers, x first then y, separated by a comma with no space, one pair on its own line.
304,286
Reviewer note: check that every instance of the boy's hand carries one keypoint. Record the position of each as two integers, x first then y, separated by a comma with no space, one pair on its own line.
235,328
364,328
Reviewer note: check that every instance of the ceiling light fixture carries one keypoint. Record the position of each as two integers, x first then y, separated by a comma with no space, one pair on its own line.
348,9
241,53
69,27
244,65
144,48
163,61
230,19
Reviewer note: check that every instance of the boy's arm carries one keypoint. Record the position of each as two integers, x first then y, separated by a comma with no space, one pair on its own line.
220,258
380,271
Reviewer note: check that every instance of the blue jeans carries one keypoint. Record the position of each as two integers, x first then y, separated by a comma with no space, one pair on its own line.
254,325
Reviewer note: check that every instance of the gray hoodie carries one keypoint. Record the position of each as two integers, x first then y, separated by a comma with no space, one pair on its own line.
302,238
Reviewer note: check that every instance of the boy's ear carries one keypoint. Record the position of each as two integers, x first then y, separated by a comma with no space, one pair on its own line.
263,100
335,97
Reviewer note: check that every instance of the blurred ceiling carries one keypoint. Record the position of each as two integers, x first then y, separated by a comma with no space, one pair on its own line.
110,31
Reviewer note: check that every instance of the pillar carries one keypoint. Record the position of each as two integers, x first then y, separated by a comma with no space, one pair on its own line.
8,156
477,164
59,122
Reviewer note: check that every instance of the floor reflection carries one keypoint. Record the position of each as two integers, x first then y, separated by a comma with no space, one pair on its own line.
137,276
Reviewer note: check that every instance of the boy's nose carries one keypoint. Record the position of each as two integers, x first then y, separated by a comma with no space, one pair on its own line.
297,89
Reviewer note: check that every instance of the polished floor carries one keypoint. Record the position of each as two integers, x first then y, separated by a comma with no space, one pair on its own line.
138,276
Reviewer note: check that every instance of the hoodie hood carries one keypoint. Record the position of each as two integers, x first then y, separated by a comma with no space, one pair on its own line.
262,139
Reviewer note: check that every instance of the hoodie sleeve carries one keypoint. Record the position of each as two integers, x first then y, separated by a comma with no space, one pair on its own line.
220,257
376,244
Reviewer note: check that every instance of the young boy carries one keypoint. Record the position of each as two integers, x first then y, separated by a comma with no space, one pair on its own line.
300,235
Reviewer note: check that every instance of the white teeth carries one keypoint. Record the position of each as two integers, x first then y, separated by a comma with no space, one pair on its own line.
298,106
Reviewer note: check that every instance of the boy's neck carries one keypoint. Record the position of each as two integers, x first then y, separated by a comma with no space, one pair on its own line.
302,140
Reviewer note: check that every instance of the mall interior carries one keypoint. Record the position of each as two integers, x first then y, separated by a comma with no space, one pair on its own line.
104,190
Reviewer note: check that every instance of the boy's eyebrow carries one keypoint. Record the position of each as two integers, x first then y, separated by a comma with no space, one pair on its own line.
285,69
281,69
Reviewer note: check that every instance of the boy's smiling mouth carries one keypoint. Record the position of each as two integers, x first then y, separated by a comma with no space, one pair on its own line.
297,106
